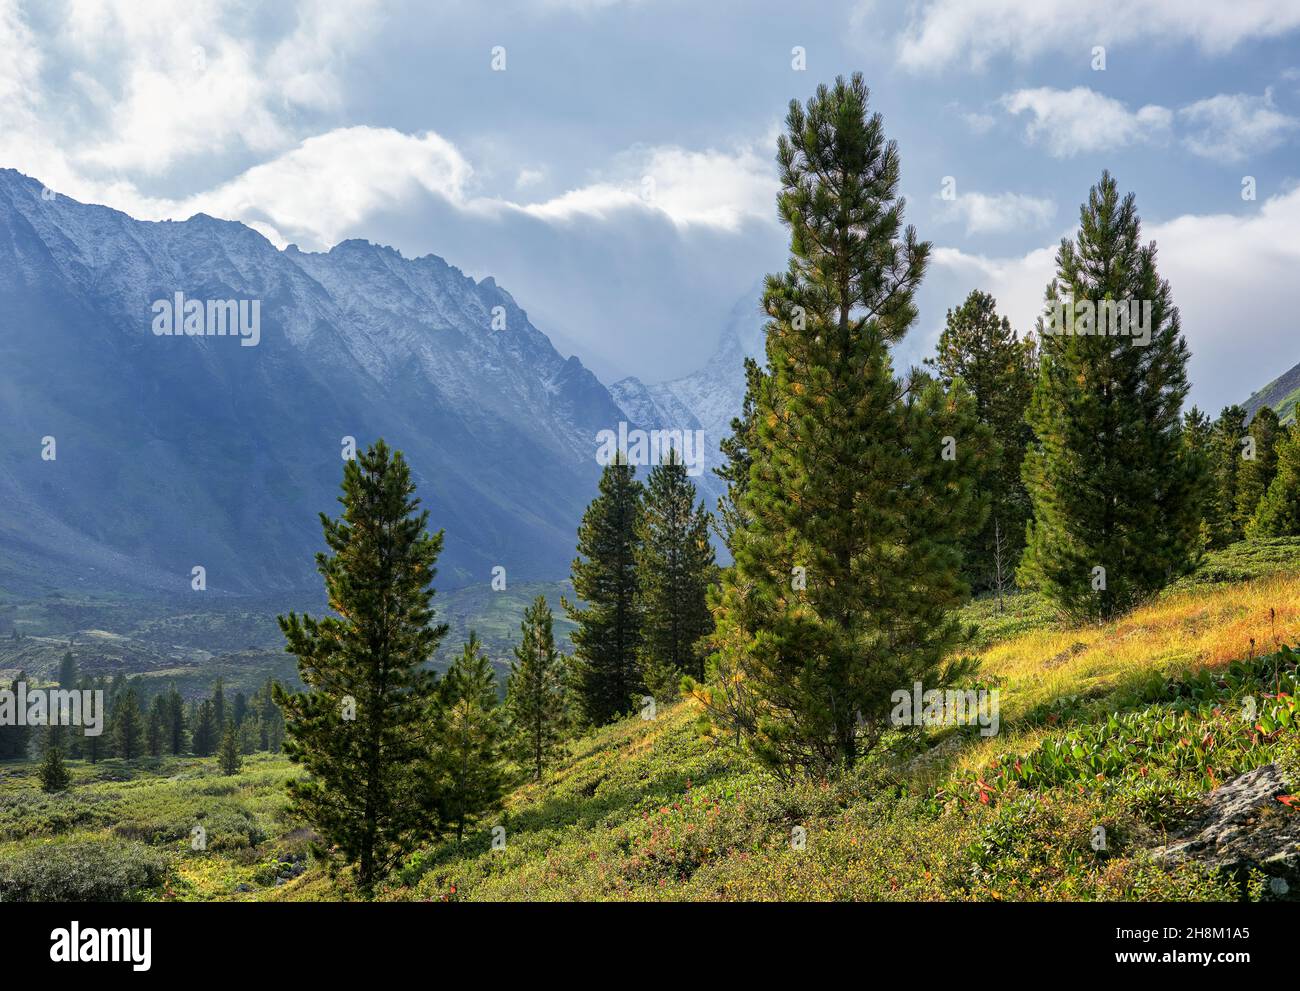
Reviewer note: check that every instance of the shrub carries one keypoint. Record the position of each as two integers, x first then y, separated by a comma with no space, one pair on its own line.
82,871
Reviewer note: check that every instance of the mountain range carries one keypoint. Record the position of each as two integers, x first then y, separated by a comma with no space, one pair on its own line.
128,457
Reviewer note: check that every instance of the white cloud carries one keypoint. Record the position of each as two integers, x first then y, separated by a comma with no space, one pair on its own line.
1231,276
1079,120
997,213
1229,128
977,32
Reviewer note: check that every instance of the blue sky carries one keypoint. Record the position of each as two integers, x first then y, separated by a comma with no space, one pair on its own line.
617,176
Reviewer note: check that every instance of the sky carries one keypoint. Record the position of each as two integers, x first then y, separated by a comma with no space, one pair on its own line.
611,162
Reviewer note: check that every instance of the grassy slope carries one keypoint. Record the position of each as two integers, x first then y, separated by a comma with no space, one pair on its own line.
648,810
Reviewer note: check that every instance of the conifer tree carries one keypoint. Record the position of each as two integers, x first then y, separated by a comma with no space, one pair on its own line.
53,772
675,566
128,725
980,348
734,471
97,746
1226,447
849,562
175,723
469,737
607,681
1278,514
1198,448
156,730
219,704
1115,507
68,671
535,692
203,732
15,739
1258,464
363,727
228,754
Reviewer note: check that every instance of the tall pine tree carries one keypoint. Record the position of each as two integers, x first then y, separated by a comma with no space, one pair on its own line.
675,566
535,692
1278,513
1227,445
1115,508
860,485
1258,464
363,727
607,680
980,348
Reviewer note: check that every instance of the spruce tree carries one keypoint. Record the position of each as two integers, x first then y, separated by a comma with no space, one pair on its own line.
860,488
1115,507
535,692
675,566
980,348
363,727
128,725
607,682
53,772
228,754
469,737
1258,466
1278,514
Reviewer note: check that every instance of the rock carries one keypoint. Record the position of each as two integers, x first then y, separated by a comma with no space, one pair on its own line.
1242,826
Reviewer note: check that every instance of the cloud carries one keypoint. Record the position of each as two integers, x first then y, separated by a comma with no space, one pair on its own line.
997,213
940,33
1230,128
1080,120
1231,277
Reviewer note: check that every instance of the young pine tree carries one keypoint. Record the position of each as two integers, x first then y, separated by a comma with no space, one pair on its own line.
980,348
53,772
850,558
362,728
1258,464
469,737
228,754
607,682
535,692
1278,514
1115,508
675,566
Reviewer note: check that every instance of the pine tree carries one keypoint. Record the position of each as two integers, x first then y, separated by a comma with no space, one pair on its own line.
1226,448
175,723
156,730
54,773
128,725
734,471
1198,448
1115,507
469,736
95,747
363,728
15,739
203,729
675,565
535,692
68,671
980,348
1258,466
228,753
606,677
219,704
1278,514
849,562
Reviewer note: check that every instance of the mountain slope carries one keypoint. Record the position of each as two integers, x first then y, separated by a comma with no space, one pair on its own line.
179,451
1282,394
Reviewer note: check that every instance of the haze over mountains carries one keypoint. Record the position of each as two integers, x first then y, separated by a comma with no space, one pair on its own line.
176,451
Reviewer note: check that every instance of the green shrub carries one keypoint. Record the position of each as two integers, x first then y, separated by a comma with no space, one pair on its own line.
81,871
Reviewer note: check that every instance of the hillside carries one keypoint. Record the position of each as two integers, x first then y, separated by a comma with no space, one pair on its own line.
1282,394
1129,726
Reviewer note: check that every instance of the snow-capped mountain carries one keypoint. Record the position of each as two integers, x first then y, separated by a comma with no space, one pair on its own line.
128,457
707,399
